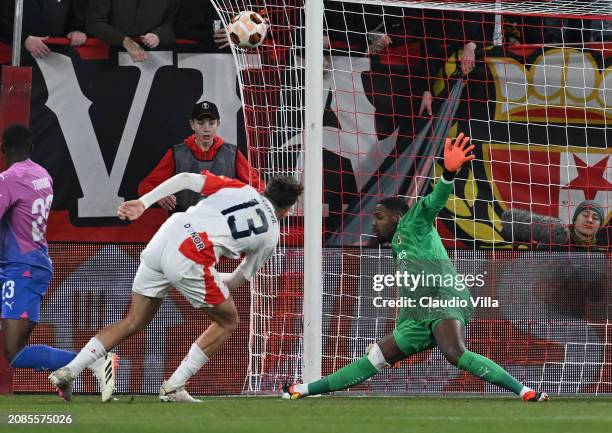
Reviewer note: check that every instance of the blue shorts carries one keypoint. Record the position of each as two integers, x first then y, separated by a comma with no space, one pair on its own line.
22,290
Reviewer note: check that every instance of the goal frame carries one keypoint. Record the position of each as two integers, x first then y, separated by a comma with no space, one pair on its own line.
313,192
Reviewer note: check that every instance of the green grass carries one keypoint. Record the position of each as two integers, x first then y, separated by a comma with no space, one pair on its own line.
313,415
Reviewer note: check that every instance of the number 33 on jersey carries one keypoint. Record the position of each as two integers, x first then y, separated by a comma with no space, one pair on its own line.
26,194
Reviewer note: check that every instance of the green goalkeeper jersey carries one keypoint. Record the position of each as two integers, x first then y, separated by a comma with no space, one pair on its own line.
428,277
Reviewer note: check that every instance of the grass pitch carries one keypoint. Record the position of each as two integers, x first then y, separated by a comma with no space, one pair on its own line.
314,415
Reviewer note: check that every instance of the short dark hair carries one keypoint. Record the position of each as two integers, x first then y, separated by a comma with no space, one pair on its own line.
283,191
394,204
17,138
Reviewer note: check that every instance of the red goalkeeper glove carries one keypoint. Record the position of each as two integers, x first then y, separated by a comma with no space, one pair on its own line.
456,153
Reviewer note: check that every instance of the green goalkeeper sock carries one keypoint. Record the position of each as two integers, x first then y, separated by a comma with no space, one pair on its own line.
488,370
349,375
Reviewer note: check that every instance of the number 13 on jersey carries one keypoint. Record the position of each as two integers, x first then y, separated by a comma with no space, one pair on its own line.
252,229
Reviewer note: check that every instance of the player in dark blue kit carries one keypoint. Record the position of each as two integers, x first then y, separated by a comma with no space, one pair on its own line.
26,194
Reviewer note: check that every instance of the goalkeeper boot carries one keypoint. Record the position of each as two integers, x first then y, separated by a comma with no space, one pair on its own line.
171,393
62,379
106,373
535,397
290,393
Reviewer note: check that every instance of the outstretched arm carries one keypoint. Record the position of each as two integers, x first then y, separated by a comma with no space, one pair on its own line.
134,208
456,154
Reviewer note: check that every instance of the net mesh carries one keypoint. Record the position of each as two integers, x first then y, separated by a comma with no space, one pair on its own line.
271,81
528,82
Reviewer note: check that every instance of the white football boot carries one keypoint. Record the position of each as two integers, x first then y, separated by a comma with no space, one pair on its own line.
170,393
106,373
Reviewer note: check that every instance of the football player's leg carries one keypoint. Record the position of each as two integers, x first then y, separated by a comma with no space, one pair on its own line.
450,338
142,310
380,355
204,288
95,355
15,336
36,356
20,314
224,321
149,289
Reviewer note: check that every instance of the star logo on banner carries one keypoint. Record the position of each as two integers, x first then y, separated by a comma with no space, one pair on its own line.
590,179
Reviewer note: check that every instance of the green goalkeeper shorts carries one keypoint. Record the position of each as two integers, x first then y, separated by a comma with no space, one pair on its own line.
414,336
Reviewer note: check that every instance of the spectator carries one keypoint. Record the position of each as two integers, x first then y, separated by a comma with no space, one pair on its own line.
204,150
196,21
546,233
408,48
586,224
449,33
423,39
118,22
43,19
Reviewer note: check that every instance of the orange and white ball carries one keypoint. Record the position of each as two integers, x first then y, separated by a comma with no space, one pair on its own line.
247,29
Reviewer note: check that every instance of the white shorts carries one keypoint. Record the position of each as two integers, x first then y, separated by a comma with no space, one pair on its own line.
163,266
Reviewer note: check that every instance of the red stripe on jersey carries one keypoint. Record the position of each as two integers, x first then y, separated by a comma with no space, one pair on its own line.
200,250
214,183
213,294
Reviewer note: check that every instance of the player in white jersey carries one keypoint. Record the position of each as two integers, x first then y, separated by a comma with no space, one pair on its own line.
233,220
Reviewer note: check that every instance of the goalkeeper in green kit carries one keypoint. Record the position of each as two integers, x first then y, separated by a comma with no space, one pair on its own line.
418,250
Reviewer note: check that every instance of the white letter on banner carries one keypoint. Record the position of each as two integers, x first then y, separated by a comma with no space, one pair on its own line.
66,100
356,139
218,86
510,83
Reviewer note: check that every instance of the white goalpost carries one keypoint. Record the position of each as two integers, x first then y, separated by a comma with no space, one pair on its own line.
313,192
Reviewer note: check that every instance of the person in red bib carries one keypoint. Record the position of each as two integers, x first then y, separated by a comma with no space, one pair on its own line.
204,150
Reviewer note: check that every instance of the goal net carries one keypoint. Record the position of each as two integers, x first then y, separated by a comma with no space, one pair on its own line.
530,82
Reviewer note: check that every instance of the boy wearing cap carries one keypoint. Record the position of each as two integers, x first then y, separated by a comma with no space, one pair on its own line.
203,150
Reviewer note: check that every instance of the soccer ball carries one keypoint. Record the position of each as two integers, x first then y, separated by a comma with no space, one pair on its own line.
247,29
